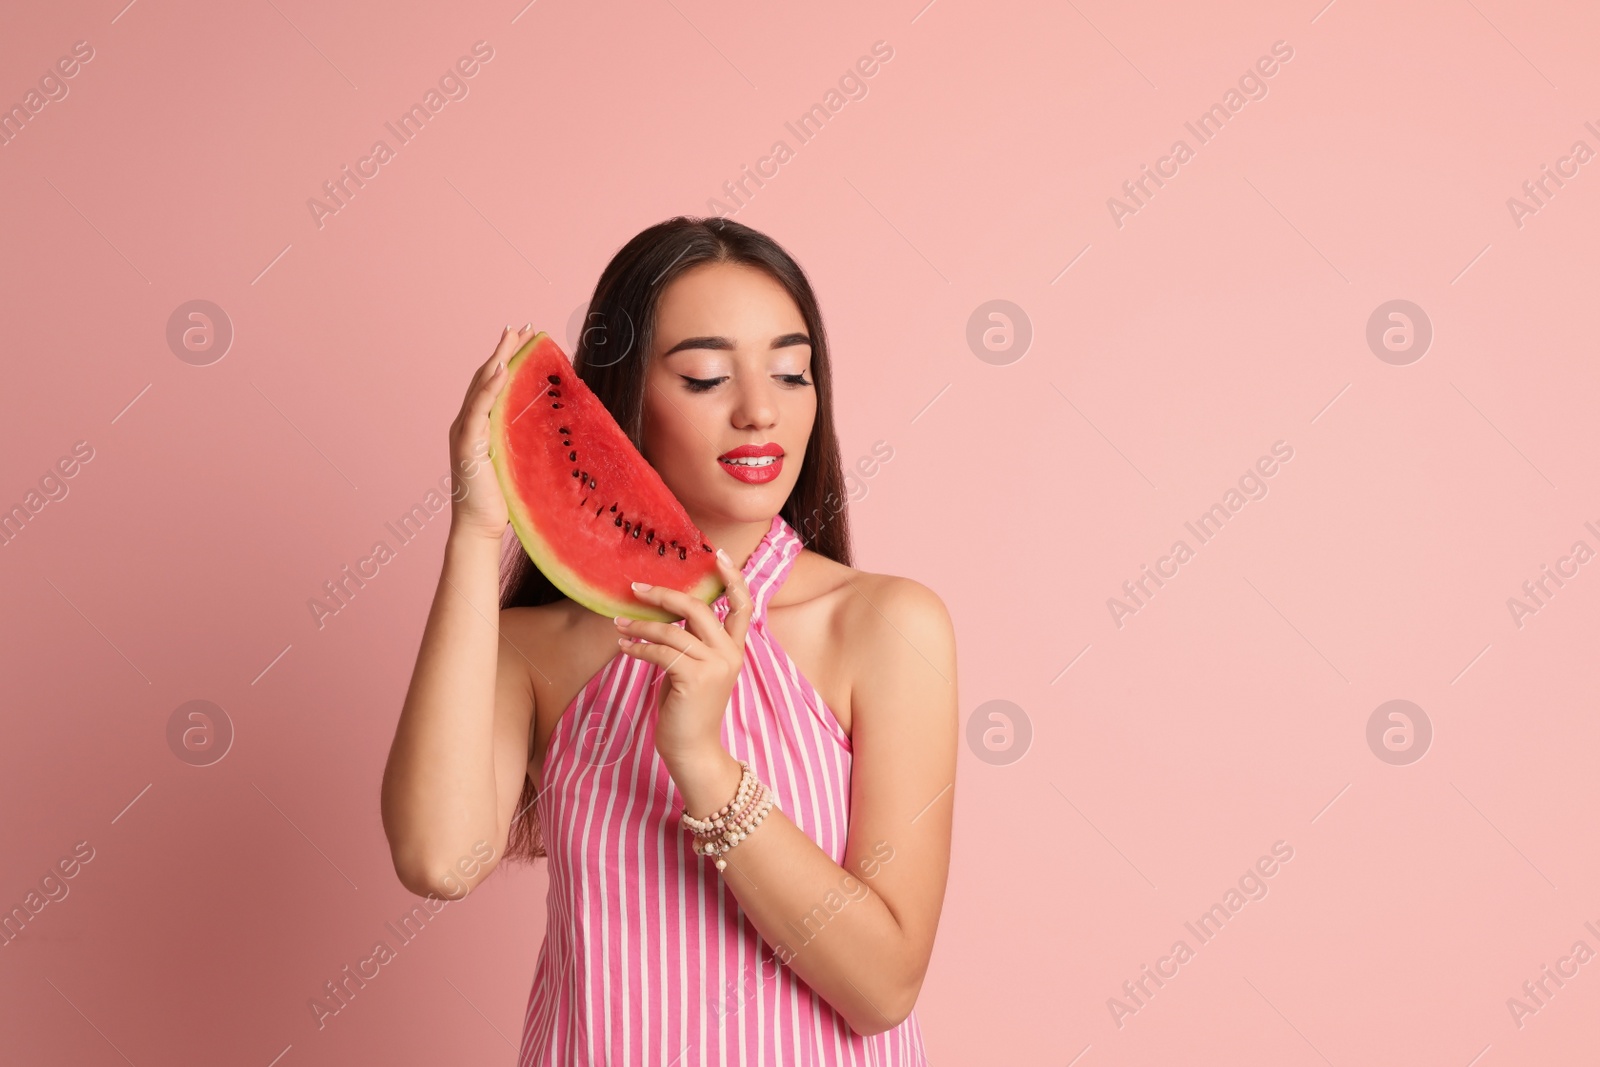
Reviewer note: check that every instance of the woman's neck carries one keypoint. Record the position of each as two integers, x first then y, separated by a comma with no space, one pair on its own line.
737,539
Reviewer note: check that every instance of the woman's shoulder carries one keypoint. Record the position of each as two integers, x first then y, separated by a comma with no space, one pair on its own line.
547,621
884,635
559,646
870,609
550,637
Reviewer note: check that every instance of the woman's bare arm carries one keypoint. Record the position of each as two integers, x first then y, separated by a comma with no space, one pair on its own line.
460,750
868,959
861,932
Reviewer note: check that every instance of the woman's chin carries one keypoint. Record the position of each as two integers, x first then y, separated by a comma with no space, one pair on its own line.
742,505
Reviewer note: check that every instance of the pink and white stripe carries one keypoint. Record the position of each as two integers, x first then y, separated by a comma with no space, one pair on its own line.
647,958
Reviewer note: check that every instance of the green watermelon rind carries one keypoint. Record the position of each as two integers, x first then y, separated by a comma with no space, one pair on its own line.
540,549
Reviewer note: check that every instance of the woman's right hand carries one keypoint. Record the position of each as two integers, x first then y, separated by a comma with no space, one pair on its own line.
476,504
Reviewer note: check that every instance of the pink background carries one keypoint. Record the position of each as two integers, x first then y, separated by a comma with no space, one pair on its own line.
1228,313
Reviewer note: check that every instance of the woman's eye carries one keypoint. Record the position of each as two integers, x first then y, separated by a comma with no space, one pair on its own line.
701,385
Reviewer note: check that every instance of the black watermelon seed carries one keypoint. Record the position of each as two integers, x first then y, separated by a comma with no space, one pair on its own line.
553,379
661,550
599,509
649,537
563,429
706,548
613,507
682,554
567,443
636,529
592,484
556,404
618,521
573,455
554,392
574,472
582,502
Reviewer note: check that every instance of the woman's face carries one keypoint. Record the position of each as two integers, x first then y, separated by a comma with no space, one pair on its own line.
730,366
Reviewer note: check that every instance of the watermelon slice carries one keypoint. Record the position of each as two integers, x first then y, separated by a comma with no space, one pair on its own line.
592,513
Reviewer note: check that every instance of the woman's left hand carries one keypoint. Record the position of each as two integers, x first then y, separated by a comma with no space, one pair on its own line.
702,660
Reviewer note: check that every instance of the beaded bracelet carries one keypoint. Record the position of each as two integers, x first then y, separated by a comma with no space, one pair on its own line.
747,784
733,813
741,819
716,845
733,822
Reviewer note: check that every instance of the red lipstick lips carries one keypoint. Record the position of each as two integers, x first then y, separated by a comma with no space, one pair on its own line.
753,464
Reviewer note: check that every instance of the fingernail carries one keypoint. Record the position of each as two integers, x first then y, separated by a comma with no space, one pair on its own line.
641,587
723,556
528,327
621,620
508,327
499,365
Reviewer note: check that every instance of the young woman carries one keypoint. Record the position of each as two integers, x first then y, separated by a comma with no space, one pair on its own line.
812,705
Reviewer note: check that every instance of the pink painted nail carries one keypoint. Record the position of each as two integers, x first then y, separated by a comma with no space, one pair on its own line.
641,587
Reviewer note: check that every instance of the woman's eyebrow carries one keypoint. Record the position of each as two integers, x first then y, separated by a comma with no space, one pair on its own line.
723,344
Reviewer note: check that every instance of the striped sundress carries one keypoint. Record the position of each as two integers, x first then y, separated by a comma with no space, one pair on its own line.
647,957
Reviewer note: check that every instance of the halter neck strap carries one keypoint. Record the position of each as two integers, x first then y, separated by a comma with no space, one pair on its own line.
766,569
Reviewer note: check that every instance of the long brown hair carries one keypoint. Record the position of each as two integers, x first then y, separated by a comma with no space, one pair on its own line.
611,357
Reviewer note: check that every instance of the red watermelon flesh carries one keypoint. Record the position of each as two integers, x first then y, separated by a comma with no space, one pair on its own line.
591,511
